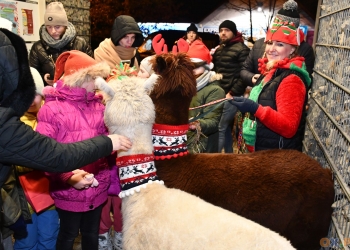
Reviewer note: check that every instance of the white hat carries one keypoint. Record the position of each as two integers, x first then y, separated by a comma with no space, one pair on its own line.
146,64
39,84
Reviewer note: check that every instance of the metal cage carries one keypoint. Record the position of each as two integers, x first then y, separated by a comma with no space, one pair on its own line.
327,136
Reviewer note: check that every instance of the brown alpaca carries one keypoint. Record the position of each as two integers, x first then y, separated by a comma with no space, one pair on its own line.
284,190
157,217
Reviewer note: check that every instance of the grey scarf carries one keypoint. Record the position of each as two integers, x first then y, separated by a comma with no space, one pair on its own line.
204,79
58,44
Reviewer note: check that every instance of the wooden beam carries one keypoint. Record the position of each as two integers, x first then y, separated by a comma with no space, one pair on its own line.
309,7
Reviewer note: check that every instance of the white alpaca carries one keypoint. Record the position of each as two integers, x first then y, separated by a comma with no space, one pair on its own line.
156,217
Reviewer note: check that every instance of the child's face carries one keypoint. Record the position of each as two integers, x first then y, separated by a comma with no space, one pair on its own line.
143,73
36,104
89,86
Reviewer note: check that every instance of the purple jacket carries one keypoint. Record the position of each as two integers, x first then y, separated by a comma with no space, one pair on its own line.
115,188
71,114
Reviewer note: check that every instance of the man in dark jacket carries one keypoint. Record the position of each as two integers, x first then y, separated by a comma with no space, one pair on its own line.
250,72
57,35
19,144
228,59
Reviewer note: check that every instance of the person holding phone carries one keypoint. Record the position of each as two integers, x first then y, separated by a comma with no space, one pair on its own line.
122,46
57,35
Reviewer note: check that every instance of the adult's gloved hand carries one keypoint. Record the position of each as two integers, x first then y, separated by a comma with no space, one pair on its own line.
19,228
245,104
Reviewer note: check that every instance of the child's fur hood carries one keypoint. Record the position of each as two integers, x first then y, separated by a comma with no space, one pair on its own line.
76,79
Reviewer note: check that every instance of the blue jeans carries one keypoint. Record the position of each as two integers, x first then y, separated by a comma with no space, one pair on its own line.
7,243
42,232
225,127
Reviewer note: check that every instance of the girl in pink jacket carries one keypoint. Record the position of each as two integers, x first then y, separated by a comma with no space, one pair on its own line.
72,112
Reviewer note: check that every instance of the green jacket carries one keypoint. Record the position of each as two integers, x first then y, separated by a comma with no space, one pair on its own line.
210,122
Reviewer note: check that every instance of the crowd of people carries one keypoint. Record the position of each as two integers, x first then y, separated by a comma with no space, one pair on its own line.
66,147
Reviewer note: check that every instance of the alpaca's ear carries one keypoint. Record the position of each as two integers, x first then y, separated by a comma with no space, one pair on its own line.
102,85
160,64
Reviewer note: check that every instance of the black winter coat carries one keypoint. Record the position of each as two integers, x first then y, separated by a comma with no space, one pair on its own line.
228,60
43,57
250,65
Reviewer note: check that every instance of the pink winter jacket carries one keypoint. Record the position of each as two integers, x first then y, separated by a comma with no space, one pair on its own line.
70,115
115,188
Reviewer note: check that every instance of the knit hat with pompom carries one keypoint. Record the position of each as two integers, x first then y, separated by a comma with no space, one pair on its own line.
285,26
289,12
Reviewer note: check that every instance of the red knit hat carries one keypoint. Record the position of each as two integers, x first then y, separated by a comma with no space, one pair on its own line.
200,51
285,28
75,65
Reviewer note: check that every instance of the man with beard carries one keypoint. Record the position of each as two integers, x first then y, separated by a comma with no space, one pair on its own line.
228,59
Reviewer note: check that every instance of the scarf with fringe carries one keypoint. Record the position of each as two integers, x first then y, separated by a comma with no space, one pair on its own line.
113,55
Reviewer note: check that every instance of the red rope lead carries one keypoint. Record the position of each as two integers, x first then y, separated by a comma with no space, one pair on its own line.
212,103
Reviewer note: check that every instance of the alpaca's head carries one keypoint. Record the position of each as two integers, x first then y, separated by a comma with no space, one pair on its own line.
128,106
176,73
175,88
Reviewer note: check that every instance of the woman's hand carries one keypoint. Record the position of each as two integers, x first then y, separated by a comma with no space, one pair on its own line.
120,142
255,78
229,96
245,104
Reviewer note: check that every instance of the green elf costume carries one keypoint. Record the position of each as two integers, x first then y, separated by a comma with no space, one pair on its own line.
275,111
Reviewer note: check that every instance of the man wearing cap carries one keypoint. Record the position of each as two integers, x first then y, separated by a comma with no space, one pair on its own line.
228,59
57,35
250,72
